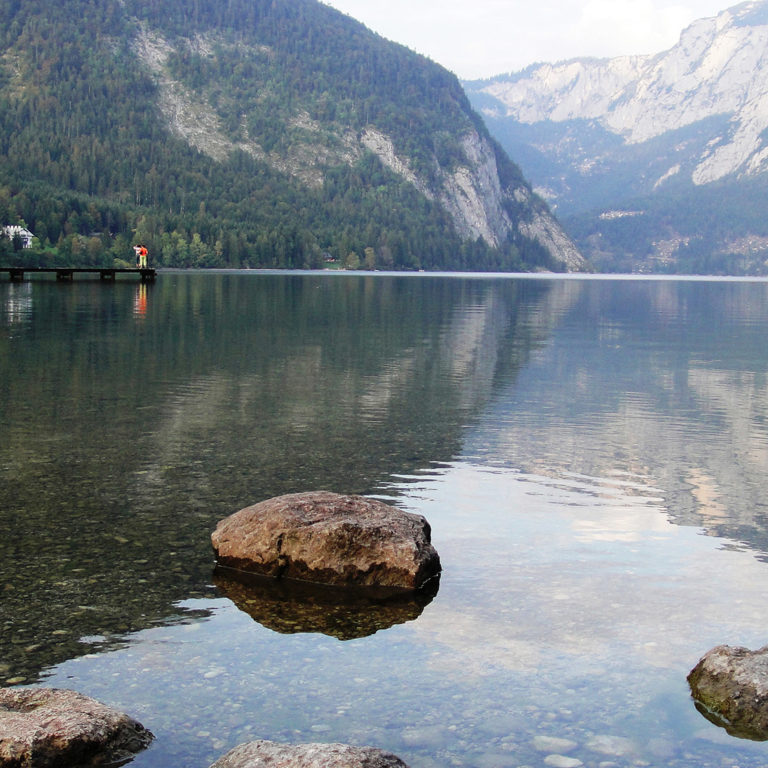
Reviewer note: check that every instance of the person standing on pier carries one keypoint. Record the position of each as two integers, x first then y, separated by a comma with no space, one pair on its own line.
141,256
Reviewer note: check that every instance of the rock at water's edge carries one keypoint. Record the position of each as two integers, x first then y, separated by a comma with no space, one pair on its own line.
44,727
260,754
330,539
730,687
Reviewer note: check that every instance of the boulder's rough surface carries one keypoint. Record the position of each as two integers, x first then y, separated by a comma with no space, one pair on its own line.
256,754
53,727
330,539
730,687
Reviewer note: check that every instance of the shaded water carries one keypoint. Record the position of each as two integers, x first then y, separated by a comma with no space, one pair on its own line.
591,455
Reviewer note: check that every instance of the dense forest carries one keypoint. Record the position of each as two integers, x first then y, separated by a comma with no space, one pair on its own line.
89,165
717,229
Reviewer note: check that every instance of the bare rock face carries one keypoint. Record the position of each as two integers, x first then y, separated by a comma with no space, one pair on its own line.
730,688
55,728
330,539
258,754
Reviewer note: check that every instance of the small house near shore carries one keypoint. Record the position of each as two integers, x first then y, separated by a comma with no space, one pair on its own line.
15,230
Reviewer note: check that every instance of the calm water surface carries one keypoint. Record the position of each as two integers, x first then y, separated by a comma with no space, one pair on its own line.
591,455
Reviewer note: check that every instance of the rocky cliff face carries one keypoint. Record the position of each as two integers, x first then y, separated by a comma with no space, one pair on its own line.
718,68
474,196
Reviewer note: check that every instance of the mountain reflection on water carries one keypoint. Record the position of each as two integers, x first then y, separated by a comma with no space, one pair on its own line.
568,439
127,437
658,382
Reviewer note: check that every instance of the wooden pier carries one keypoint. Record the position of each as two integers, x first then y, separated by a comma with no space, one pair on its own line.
67,274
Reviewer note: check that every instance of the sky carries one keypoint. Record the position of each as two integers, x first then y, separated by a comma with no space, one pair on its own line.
481,38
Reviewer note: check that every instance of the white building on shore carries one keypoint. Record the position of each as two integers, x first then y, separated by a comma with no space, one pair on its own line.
15,230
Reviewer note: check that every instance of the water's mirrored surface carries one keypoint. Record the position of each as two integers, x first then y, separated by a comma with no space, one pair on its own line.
591,455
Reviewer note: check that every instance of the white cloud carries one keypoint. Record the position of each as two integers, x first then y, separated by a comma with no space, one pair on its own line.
480,38
619,27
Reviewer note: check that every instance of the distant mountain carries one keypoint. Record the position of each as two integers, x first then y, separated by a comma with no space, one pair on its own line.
652,162
274,133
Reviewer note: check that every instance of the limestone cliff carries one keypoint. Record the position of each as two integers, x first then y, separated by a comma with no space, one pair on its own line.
474,196
718,67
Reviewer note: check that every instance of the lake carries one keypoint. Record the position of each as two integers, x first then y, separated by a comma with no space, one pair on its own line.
591,454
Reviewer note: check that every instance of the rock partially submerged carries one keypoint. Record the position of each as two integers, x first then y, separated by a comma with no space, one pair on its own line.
330,539
260,754
47,727
730,688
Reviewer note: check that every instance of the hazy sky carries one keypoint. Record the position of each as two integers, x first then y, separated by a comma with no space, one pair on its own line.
480,38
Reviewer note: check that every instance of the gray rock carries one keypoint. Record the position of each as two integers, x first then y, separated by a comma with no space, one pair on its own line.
330,539
256,754
730,688
551,744
561,761
44,727
614,746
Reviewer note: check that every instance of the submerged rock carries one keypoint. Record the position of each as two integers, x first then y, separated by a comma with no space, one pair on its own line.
44,727
331,539
730,688
258,754
346,613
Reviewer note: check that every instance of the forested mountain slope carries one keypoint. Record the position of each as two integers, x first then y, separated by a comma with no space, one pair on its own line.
653,162
274,133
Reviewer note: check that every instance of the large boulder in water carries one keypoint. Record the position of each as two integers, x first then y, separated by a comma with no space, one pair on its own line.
730,688
260,754
330,539
44,727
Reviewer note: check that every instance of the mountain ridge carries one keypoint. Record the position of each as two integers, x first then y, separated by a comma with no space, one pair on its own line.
711,71
275,132
602,135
